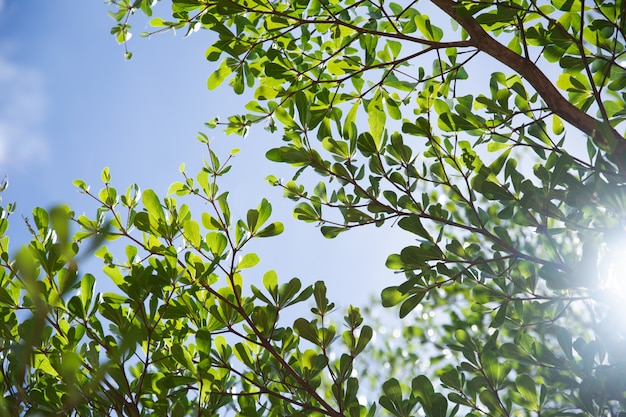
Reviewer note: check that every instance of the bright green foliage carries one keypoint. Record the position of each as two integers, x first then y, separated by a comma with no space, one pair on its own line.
490,132
384,102
183,333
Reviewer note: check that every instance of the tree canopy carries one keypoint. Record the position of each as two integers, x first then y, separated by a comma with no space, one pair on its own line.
490,132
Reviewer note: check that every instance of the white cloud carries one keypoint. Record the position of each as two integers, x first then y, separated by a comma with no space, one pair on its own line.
23,108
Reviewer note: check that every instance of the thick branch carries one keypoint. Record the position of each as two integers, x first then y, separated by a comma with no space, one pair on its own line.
614,145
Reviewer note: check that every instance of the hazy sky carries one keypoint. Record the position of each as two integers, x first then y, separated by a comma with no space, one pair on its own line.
71,105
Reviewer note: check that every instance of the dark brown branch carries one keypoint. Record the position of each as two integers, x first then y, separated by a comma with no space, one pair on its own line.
614,145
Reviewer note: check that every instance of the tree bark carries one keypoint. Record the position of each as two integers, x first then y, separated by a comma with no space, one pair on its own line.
614,145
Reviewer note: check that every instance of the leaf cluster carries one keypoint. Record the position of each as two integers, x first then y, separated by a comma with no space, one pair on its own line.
517,231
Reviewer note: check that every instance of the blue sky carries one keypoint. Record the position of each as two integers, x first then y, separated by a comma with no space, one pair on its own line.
71,105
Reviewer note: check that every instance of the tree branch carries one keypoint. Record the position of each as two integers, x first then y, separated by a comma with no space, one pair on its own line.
614,145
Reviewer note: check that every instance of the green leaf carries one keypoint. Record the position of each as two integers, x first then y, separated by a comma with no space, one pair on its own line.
500,317
216,243
288,154
417,257
391,296
182,356
349,131
242,352
527,387
451,379
106,176
422,388
365,336
491,401
410,303
192,233
376,118
391,400
248,261
306,330
264,211
306,212
338,148
483,295
203,342
438,406
273,229
211,222
87,284
152,203
331,232
456,398
218,76
114,273
432,33
75,306
366,144
414,225
270,282
564,338
421,127
557,125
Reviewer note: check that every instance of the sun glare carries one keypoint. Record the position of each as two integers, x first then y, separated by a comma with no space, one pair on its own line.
613,274
612,298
